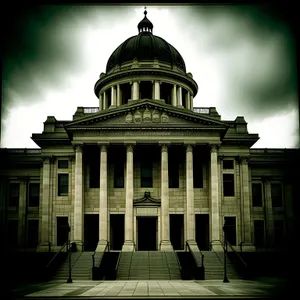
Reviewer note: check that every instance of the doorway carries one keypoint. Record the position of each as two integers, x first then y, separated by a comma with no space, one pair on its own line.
147,233
202,231
176,231
116,231
231,229
91,231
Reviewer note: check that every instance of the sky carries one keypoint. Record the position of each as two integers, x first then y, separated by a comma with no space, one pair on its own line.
243,59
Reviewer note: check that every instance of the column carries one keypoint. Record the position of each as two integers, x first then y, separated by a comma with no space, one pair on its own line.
192,102
128,244
246,225
113,103
187,100
119,95
22,212
179,96
156,90
190,212
135,91
174,95
268,213
104,100
103,209
165,223
100,102
45,203
214,198
78,202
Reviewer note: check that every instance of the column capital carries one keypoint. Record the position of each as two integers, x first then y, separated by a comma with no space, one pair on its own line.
214,147
164,145
78,147
129,146
243,159
47,159
103,146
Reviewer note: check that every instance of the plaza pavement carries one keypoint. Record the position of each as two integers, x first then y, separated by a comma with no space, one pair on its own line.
154,289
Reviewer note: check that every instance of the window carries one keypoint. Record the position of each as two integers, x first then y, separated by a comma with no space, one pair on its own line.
278,232
34,194
276,194
63,184
146,174
63,164
197,174
259,233
173,173
228,185
119,175
14,190
228,164
256,194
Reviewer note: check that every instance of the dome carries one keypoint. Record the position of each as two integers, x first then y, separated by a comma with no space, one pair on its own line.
145,47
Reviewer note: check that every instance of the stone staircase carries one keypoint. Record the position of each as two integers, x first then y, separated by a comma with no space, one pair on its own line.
214,266
81,263
148,265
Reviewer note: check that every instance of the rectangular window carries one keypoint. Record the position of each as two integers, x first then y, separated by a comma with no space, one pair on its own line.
14,190
32,233
197,174
256,194
146,174
278,232
276,194
62,230
259,233
228,164
63,164
119,175
34,194
173,173
63,184
228,185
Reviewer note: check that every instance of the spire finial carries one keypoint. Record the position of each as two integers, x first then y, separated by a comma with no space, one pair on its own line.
145,12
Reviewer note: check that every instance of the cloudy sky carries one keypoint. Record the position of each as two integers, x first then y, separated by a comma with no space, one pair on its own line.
243,59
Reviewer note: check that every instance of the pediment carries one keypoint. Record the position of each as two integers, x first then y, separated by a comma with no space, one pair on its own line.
145,114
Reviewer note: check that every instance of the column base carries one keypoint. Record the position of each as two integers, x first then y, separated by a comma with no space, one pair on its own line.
112,106
101,247
128,246
180,106
166,246
247,247
217,247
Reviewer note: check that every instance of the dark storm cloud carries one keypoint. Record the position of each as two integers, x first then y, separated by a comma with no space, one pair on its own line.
256,45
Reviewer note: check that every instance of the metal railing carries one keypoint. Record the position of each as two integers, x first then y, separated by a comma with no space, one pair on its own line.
212,249
244,263
48,244
195,258
106,249
80,242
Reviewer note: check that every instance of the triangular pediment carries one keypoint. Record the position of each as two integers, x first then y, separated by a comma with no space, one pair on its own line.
145,113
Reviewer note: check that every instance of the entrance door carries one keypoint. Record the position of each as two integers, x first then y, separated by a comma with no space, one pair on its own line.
231,229
176,231
116,231
147,227
62,230
91,231
202,231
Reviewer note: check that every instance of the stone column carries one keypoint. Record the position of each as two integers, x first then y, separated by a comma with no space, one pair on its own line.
190,212
192,102
100,102
119,95
22,212
187,100
45,203
214,197
113,102
246,225
165,223
103,207
135,91
156,90
105,104
128,244
78,202
269,220
179,96
174,95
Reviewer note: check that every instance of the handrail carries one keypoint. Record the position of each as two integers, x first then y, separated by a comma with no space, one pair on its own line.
117,264
48,244
79,241
237,254
56,254
93,255
211,247
193,254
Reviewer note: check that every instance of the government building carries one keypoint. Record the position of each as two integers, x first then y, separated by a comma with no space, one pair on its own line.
145,170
